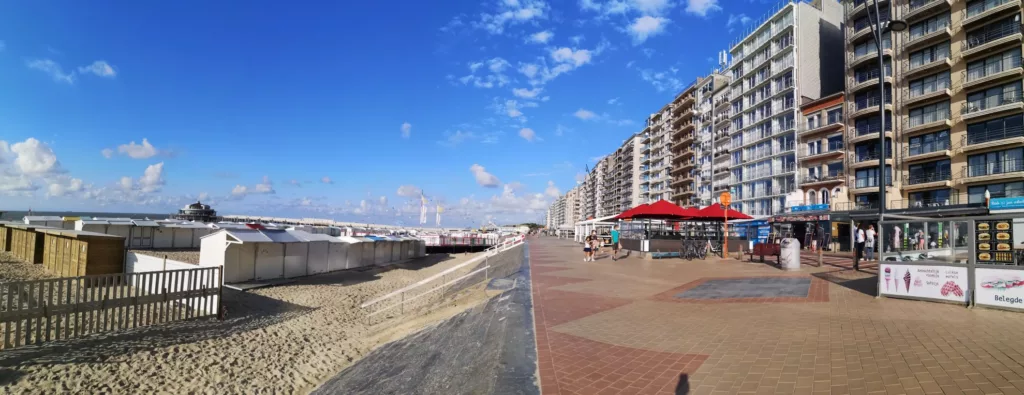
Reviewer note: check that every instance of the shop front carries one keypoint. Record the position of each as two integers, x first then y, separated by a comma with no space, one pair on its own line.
814,225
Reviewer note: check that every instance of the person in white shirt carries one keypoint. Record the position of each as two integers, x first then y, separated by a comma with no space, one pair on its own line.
869,243
859,243
896,241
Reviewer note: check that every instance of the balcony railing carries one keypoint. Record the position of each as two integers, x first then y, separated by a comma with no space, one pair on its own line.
869,182
829,177
998,167
975,41
852,206
979,7
926,177
929,203
870,102
1005,64
991,102
871,155
927,148
831,147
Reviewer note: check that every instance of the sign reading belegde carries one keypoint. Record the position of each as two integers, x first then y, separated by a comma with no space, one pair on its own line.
999,287
932,282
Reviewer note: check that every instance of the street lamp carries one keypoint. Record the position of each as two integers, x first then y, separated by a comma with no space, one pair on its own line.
877,29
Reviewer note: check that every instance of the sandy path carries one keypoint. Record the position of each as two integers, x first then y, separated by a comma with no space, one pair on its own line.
284,339
11,269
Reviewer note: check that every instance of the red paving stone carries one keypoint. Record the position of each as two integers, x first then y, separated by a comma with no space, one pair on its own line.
817,293
608,328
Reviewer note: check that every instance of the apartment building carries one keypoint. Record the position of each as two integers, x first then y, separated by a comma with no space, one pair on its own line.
656,157
682,127
622,177
786,57
572,210
556,213
598,175
822,154
961,130
712,101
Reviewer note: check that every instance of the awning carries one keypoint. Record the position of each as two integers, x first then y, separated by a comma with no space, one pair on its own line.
597,220
715,212
661,209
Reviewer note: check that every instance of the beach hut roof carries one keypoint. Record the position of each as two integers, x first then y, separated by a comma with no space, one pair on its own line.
143,222
77,234
94,222
43,218
350,239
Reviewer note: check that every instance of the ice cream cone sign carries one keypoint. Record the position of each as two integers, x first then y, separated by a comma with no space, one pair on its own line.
888,275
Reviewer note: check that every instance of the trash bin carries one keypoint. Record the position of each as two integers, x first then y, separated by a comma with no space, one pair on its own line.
789,254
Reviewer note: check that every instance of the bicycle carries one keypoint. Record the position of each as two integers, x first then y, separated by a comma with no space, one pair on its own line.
715,247
691,249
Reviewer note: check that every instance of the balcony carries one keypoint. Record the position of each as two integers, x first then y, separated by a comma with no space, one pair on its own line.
868,133
686,152
923,97
1008,137
996,171
993,39
926,180
853,35
990,11
911,71
865,160
1005,70
867,185
923,40
992,106
918,9
833,150
921,124
863,6
865,83
855,206
867,107
952,201
930,150
807,180
810,130
873,55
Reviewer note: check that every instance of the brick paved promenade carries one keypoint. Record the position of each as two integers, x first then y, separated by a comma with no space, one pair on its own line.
728,327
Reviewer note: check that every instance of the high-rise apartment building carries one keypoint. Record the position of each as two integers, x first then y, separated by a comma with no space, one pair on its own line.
960,104
682,136
598,175
787,57
622,177
656,157
711,100
572,201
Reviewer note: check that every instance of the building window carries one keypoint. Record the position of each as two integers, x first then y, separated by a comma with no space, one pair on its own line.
929,25
978,6
866,201
868,47
931,142
996,129
872,124
929,84
993,97
998,162
870,73
929,198
993,31
835,115
867,178
931,54
869,150
928,114
993,64
976,195
824,196
866,21
870,99
813,121
929,172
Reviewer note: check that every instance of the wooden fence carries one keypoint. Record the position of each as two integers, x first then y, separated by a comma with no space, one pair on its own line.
37,311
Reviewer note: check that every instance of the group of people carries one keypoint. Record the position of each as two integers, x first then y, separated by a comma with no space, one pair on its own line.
592,245
864,244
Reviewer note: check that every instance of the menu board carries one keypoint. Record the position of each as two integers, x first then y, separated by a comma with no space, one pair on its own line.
920,281
999,287
994,242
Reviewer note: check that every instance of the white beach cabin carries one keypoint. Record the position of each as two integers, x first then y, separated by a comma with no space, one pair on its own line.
45,220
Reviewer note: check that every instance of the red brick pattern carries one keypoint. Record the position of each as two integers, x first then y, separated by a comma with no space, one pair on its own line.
817,293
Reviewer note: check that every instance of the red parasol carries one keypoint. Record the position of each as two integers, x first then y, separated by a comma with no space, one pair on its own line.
629,213
715,212
664,210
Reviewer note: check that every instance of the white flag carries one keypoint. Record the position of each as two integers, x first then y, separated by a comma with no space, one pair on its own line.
423,209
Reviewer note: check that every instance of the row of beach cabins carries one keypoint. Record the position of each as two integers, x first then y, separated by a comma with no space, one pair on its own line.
247,252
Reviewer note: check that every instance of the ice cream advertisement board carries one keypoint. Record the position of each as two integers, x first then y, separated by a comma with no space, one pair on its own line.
998,287
932,282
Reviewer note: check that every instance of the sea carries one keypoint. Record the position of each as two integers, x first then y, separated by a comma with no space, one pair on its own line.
19,215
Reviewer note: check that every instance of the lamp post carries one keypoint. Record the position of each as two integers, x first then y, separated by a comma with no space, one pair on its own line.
877,30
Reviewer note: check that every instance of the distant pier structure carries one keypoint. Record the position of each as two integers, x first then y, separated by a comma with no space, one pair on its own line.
197,212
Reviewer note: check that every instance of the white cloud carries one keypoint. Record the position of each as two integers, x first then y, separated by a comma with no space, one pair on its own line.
203,196
561,130
511,13
512,109
552,190
99,68
483,178
737,19
541,37
702,7
577,39
63,185
295,183
562,60
137,151
654,7
34,158
53,69
526,93
127,183
265,187
527,134
576,57
662,80
16,185
107,153
239,190
584,114
152,179
408,191
326,180
645,27
614,101
383,200
406,130
494,77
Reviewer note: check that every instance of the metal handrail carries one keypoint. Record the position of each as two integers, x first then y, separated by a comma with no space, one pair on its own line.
990,35
951,200
992,135
1001,100
932,176
977,10
927,148
998,167
1005,64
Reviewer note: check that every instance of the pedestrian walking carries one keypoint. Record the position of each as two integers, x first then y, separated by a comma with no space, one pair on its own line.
869,243
859,245
615,242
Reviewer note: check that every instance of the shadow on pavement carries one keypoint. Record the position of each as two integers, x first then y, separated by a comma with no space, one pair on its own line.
845,278
683,387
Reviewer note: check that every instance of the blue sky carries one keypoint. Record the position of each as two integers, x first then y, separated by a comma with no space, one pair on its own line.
341,110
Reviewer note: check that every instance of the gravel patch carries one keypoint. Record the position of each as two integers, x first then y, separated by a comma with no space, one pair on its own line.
284,339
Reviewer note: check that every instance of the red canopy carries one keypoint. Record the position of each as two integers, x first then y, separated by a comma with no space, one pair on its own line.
629,213
664,210
716,213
